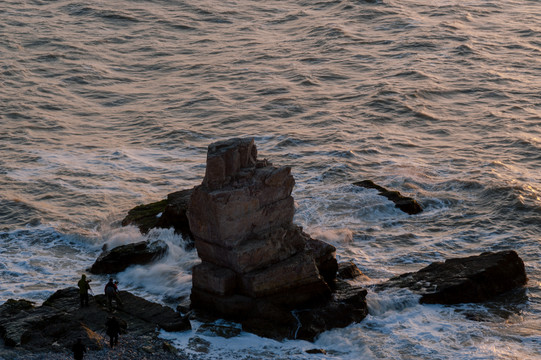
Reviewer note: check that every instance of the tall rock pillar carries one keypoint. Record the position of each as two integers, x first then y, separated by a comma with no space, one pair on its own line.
241,217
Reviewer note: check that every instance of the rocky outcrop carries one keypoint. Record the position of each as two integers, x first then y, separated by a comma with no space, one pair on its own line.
463,280
167,213
59,321
404,203
257,266
120,257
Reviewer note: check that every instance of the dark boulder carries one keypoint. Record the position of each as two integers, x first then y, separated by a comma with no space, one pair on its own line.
404,203
316,351
222,329
167,213
463,280
120,257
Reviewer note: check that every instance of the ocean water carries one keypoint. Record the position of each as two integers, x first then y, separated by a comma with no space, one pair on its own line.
105,105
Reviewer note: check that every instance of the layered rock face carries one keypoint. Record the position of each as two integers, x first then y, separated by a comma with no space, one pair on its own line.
256,264
241,217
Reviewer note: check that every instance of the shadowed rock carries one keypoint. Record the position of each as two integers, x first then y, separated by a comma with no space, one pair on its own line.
59,321
404,203
462,280
120,257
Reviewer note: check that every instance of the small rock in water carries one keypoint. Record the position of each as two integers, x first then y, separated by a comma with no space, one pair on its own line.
404,203
317,351
199,345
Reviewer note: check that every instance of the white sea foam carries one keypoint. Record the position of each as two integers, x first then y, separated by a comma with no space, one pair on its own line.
243,346
168,278
38,261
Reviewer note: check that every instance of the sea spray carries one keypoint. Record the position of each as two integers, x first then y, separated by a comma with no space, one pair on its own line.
167,279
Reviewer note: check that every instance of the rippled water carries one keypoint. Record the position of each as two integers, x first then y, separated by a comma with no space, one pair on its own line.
105,105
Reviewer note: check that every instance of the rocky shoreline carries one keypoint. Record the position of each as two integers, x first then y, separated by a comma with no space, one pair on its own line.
130,347
55,326
258,269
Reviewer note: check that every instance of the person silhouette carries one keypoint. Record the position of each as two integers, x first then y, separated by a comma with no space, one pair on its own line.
78,349
113,329
84,286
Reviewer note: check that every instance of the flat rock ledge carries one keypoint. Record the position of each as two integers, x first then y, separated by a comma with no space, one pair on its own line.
59,322
471,279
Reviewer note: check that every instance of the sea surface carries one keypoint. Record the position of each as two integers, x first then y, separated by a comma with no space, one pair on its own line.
105,105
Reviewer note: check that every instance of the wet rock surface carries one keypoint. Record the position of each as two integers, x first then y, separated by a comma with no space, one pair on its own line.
121,257
404,203
462,280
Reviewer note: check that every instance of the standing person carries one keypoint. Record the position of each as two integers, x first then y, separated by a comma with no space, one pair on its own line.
78,350
110,293
84,286
113,329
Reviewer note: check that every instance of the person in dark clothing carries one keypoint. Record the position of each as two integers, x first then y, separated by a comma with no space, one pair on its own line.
113,329
111,292
84,286
78,350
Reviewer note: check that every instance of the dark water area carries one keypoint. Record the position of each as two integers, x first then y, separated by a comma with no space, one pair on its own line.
106,105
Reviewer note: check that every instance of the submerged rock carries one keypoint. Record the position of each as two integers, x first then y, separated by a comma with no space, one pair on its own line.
463,280
404,203
120,257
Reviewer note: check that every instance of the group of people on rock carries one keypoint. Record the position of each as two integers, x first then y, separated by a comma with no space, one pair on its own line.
112,324
110,290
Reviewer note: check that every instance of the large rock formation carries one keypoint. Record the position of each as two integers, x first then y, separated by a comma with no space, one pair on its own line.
257,265
462,280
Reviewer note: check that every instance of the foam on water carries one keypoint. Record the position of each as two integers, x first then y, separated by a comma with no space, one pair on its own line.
397,327
38,261
168,279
